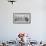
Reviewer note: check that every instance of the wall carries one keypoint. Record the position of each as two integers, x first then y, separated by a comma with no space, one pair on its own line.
37,28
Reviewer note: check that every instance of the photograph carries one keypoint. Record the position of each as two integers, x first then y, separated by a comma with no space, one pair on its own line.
22,22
